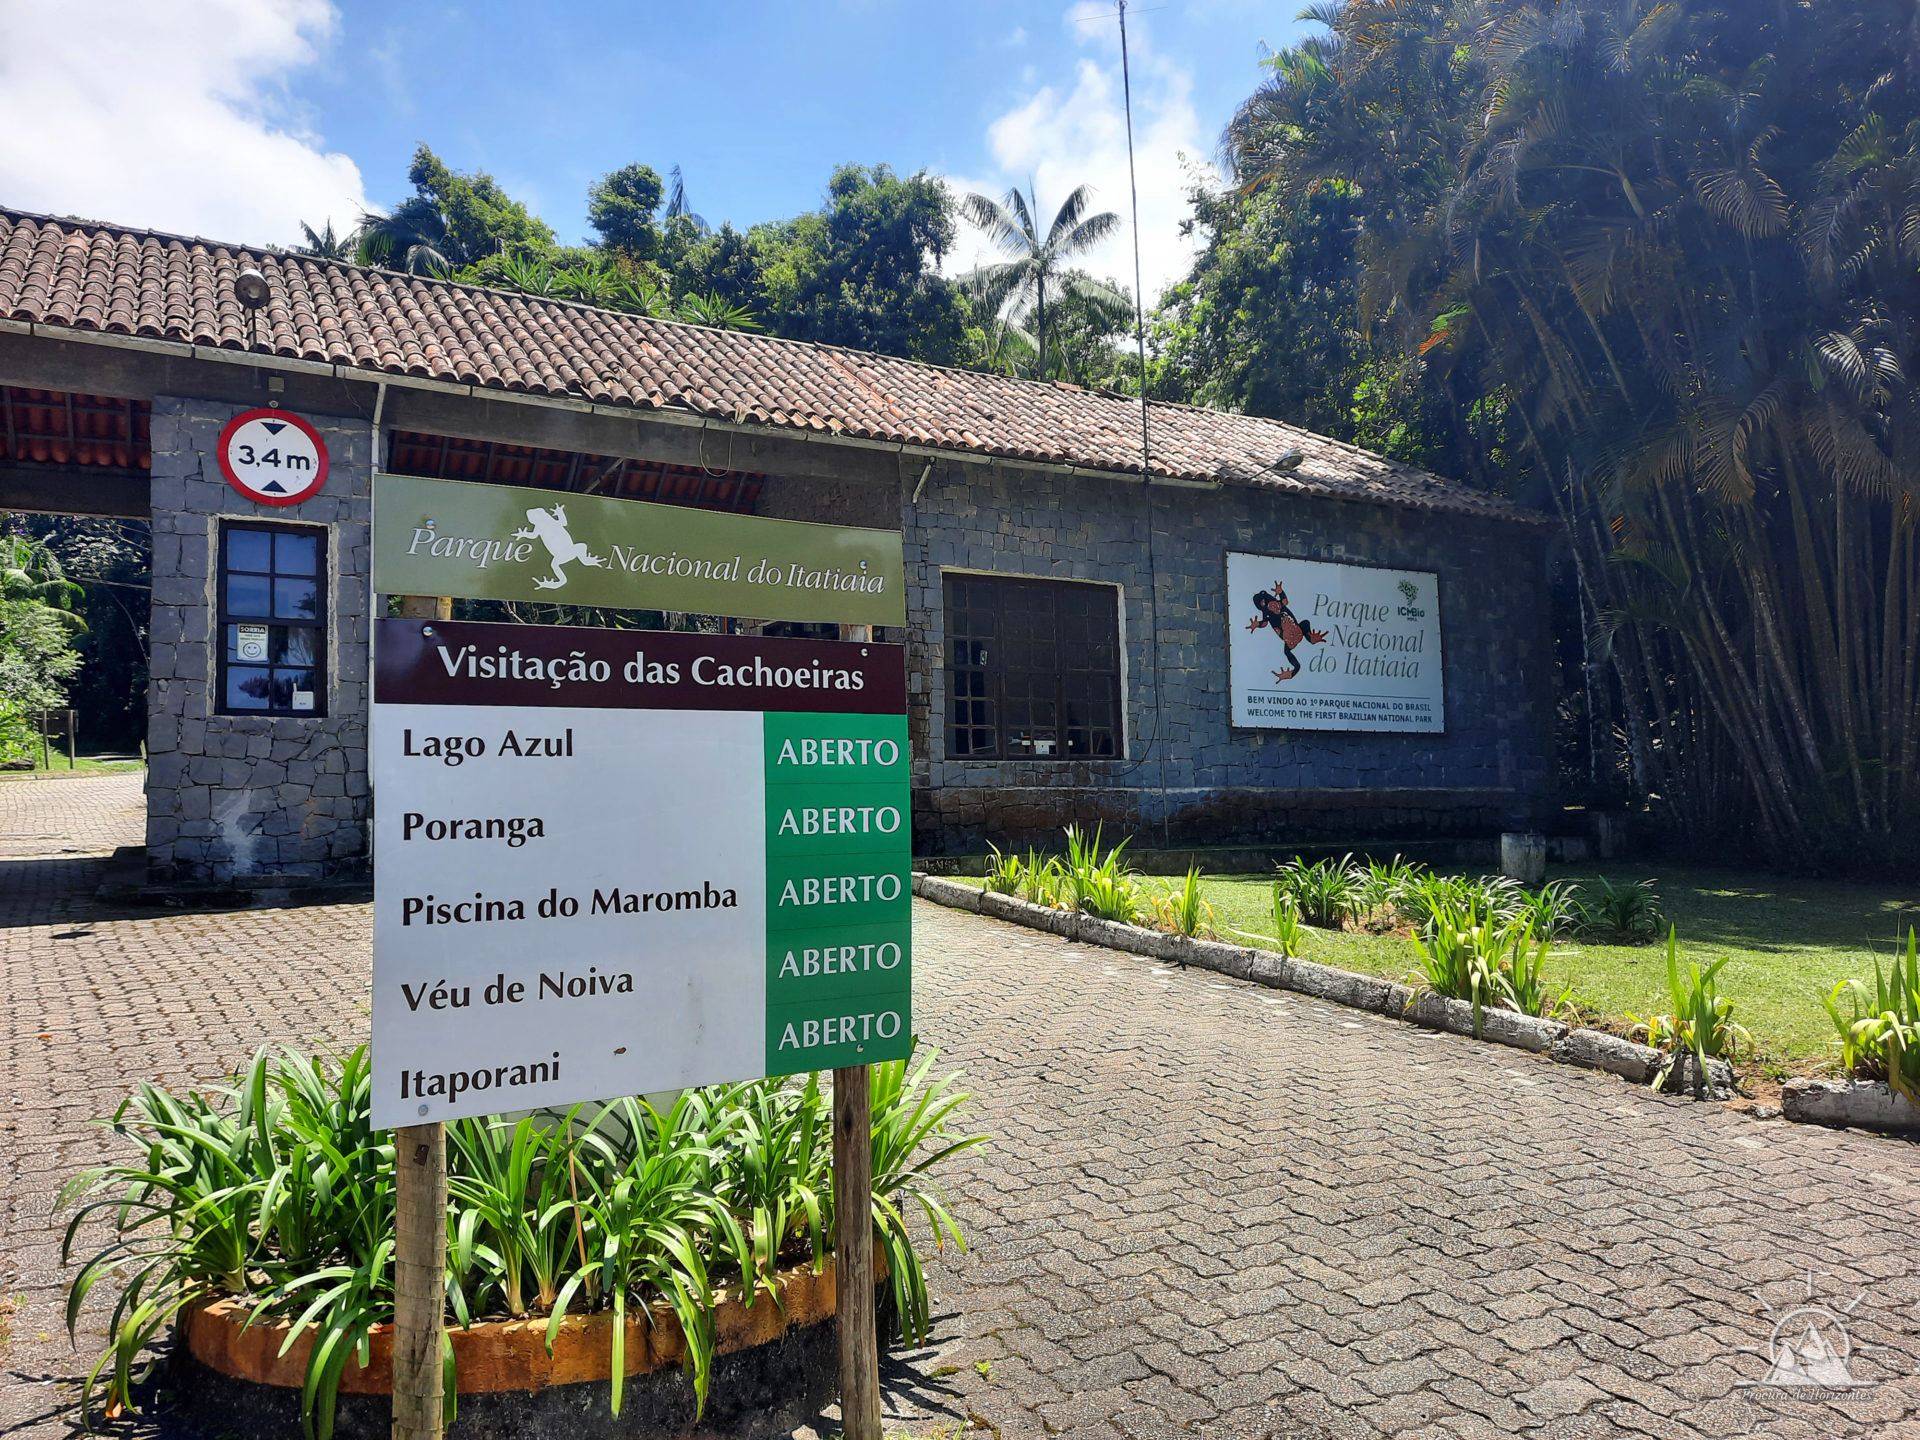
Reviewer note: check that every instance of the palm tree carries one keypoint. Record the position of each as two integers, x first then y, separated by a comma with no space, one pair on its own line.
413,236
30,571
324,244
1673,255
1039,265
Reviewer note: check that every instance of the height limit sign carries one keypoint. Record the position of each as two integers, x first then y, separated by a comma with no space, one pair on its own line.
273,458
611,862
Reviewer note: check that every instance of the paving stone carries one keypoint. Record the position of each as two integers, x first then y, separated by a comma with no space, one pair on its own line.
1199,1215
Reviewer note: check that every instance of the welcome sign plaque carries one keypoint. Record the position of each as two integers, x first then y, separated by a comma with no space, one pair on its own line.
610,862
1316,645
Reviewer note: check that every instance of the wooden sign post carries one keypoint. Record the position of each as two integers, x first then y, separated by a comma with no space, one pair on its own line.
419,1233
853,1250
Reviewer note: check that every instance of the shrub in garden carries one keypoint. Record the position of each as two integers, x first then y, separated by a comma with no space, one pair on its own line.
1468,953
1880,1034
1287,929
1553,910
1003,872
1380,886
1487,899
278,1190
1325,892
1095,882
1701,1022
1631,912
1181,908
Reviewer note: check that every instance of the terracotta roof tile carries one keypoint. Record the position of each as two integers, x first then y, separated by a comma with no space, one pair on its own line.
98,277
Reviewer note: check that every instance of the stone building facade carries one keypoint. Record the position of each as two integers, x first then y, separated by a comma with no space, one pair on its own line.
125,353
1188,777
236,796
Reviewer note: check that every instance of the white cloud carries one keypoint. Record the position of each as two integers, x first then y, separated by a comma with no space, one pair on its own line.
168,114
1058,138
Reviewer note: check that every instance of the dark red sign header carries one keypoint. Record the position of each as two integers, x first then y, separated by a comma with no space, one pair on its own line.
450,662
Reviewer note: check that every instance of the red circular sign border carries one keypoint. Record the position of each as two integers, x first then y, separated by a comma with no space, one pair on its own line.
319,448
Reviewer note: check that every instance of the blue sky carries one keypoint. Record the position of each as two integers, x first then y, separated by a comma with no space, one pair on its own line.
238,118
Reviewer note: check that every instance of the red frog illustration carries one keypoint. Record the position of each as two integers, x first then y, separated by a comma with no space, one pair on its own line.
1276,613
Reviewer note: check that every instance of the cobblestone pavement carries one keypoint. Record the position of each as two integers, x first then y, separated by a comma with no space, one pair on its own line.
1209,1210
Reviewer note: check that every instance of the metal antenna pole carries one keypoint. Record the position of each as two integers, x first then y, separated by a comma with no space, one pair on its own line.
1146,448
1133,190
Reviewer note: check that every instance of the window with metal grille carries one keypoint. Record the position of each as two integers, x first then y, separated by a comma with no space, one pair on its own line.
1033,669
273,619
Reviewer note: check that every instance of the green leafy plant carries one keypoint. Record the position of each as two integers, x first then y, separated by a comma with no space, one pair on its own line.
1460,959
1040,878
1880,1032
652,1222
1004,872
1489,899
911,1138
278,1191
1288,929
1325,892
1631,912
1521,980
1380,885
1701,1022
1553,910
776,1168
1094,881
1182,908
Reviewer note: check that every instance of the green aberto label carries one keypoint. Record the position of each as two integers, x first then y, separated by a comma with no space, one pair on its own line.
839,891
502,542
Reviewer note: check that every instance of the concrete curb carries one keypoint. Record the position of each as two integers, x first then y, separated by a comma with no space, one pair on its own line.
1870,1105
1589,1049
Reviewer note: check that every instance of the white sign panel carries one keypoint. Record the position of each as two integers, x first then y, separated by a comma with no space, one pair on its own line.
611,863
496,962
1319,646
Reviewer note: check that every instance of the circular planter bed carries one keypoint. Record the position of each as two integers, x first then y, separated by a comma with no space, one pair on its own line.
774,1368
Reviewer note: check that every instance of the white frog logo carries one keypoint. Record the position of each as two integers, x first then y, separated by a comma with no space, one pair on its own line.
549,527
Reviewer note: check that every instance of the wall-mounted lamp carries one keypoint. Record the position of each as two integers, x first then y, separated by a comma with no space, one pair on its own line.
1289,461
250,289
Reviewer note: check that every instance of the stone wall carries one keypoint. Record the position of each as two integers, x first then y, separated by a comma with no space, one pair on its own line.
252,799
1188,777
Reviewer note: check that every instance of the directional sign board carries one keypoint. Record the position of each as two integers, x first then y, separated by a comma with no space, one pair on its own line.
609,862
272,457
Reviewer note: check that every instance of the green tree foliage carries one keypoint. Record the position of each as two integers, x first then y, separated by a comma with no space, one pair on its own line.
1267,323
37,626
1670,252
451,220
108,562
624,208
861,271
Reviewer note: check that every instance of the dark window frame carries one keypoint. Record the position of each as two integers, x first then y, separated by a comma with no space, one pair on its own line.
1034,669
320,625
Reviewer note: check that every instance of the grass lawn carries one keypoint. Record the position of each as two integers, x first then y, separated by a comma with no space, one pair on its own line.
85,765
1790,940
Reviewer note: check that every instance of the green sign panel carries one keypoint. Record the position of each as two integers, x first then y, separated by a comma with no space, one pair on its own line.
839,891
503,542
